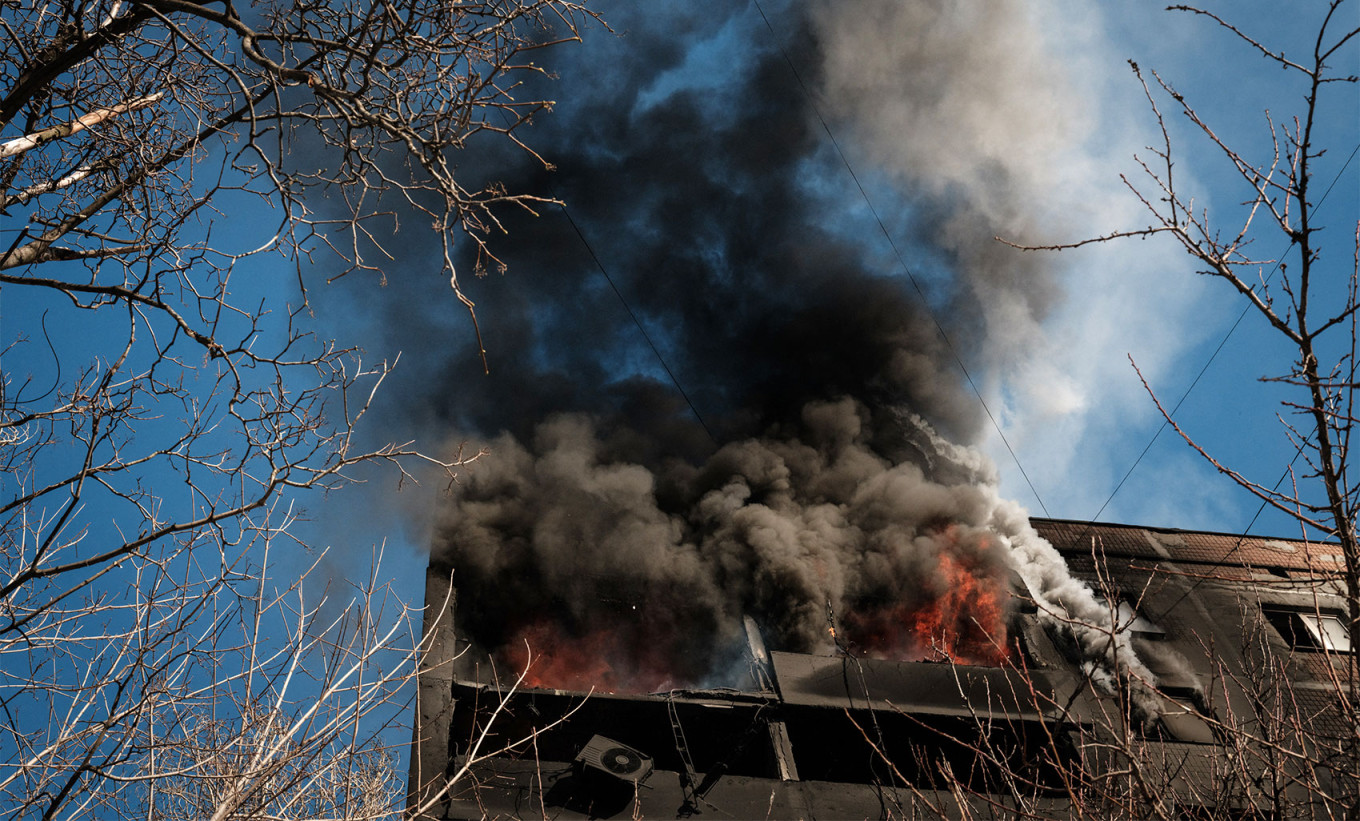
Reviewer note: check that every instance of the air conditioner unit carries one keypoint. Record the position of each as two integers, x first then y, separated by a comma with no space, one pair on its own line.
607,756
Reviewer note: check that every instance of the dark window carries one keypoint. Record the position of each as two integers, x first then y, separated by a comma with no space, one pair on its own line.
732,738
887,747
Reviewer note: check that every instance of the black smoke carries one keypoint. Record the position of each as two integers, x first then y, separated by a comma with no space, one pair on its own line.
778,452
707,209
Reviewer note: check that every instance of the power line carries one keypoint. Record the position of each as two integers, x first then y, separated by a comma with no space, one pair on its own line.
1217,350
916,284
1223,560
1241,539
968,376
638,322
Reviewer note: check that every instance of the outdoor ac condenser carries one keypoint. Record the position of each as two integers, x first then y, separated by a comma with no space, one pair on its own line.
607,756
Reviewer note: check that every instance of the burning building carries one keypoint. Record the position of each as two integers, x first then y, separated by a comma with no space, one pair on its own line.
727,538
1232,705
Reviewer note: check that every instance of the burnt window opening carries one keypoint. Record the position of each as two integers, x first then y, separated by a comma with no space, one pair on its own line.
932,751
720,738
1319,630
1017,644
1060,635
1127,621
1039,646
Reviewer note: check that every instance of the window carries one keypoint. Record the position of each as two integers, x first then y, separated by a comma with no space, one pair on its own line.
1328,631
928,750
1310,630
1126,618
1182,716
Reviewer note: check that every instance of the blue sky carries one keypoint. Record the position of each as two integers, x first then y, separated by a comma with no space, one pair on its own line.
1229,411
1065,102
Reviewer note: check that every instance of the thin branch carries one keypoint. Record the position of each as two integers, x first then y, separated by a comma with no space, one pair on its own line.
57,132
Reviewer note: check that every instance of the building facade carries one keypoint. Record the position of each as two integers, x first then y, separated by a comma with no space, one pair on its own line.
1237,701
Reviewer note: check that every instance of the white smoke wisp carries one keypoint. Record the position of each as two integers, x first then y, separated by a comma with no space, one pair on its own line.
1064,601
961,105
1073,608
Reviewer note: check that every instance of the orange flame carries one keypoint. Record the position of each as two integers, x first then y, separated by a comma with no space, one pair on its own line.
965,624
641,651
609,660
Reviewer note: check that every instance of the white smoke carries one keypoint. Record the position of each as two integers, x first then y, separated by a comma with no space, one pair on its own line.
960,104
1073,608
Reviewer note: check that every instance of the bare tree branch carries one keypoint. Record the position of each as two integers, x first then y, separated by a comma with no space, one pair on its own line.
153,661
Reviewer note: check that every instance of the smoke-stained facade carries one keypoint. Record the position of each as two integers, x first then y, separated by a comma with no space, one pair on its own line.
1239,713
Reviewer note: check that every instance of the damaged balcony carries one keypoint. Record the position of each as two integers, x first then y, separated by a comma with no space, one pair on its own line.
835,736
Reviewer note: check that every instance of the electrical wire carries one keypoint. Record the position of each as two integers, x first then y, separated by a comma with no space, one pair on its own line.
1223,560
1242,537
1200,375
940,329
637,322
1219,349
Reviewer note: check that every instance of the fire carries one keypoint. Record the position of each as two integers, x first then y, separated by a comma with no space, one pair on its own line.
964,624
958,614
605,659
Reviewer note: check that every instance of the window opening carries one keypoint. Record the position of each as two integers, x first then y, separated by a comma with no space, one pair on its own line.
1328,630
1183,714
1305,630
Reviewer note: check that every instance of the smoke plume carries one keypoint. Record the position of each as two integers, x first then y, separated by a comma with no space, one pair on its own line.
961,106
668,560
786,452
